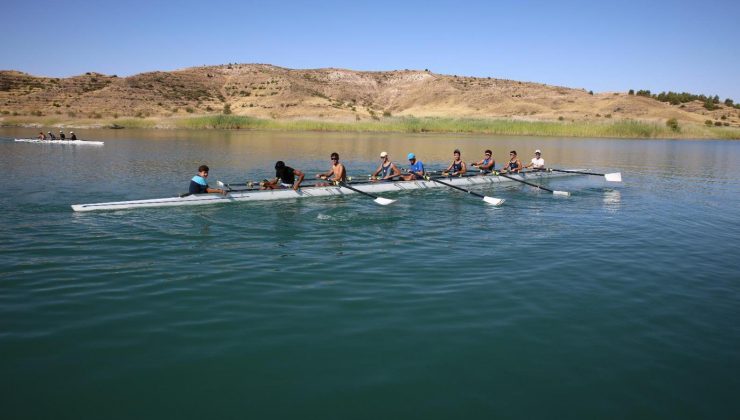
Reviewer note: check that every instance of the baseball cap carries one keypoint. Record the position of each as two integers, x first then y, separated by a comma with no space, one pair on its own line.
383,154
411,156
538,151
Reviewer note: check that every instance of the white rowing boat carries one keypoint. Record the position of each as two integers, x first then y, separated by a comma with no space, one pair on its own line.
75,142
370,187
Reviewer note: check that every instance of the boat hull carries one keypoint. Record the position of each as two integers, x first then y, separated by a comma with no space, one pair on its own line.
73,142
372,188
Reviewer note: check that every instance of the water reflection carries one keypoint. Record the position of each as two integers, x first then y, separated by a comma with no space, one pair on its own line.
612,200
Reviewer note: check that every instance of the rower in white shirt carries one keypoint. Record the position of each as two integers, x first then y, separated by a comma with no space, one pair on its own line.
537,161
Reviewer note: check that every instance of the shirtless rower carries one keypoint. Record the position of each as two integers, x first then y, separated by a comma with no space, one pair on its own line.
486,165
42,136
336,173
387,169
457,167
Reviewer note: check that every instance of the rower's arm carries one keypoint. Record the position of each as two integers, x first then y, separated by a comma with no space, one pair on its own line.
394,172
377,171
301,175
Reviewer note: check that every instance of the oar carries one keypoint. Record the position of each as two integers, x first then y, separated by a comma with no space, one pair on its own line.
379,200
613,177
533,185
490,200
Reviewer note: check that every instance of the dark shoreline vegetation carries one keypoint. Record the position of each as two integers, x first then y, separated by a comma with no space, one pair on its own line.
613,129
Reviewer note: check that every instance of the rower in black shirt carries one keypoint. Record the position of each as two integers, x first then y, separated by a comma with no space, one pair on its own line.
285,177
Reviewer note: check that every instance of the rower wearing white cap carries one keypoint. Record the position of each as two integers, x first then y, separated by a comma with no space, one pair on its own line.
72,135
387,169
537,161
51,136
61,135
416,169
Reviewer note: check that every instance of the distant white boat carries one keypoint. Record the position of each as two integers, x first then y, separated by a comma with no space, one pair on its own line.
80,142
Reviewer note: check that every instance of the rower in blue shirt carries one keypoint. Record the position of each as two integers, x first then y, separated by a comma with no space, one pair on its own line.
199,185
416,169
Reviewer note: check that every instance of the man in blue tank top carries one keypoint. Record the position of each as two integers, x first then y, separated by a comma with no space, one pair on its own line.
416,169
199,185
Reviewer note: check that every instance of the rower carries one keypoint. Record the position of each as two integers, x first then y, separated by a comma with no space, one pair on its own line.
514,165
537,161
336,173
284,178
61,135
51,136
387,169
72,135
416,169
486,165
199,185
457,167
42,136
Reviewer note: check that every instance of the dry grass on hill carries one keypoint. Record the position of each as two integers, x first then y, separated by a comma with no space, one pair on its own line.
270,92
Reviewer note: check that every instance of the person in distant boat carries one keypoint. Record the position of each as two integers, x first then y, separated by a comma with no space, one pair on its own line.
61,135
199,184
337,172
51,136
514,166
42,136
457,167
486,165
537,161
285,177
416,169
387,169
72,135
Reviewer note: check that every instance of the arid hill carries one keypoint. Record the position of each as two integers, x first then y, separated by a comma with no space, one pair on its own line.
267,91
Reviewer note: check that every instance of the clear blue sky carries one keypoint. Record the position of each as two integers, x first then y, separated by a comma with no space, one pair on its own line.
602,46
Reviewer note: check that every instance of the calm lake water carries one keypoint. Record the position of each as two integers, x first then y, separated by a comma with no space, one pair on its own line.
621,301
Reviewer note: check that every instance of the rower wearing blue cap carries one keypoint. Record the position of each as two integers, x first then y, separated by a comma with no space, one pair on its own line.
416,169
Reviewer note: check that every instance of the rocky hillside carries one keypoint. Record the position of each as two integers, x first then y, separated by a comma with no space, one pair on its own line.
343,95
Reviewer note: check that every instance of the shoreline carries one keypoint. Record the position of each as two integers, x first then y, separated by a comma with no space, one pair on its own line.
627,128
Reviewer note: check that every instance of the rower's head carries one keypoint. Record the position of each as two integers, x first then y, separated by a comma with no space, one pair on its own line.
335,157
203,170
538,153
456,153
512,153
411,157
384,155
488,152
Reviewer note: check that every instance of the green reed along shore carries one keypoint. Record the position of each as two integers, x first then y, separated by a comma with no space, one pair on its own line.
614,129
622,128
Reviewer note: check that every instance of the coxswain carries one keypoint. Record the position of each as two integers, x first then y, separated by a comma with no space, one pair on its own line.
457,167
285,177
416,169
486,165
61,135
337,172
514,165
199,184
387,170
72,135
537,161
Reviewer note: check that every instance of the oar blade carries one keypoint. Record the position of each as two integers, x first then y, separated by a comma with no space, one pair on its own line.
615,177
384,201
566,193
493,200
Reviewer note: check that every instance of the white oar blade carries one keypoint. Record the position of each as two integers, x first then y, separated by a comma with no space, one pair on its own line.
615,177
384,201
493,200
561,192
